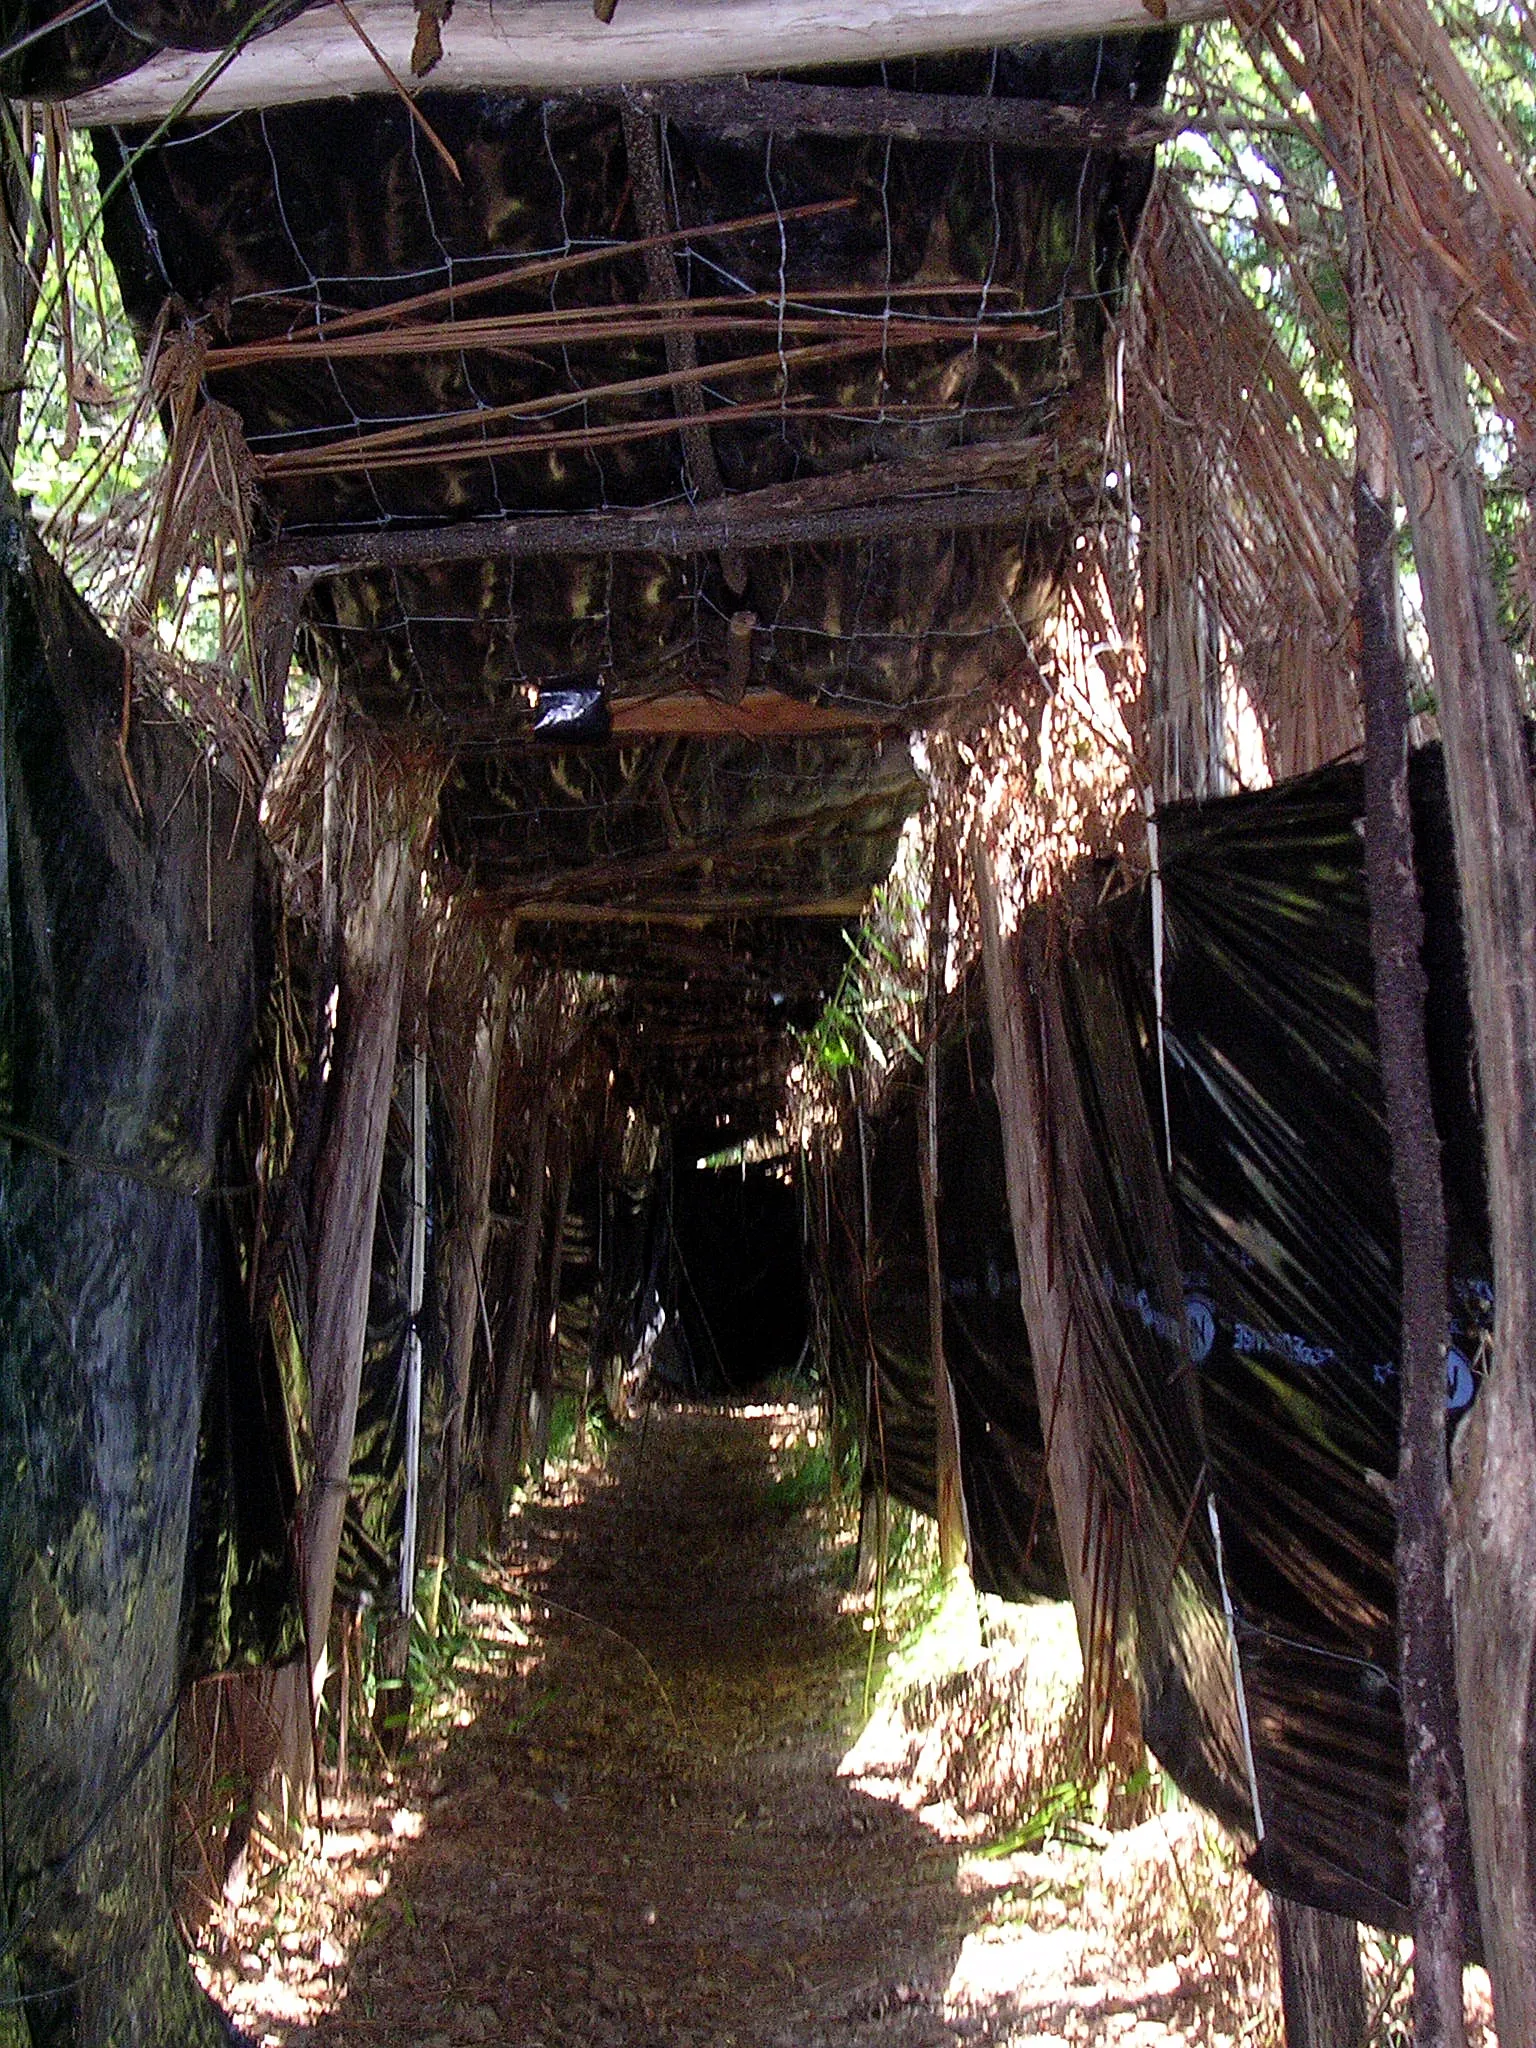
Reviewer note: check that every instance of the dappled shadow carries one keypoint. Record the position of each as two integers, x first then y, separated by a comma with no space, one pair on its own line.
640,1836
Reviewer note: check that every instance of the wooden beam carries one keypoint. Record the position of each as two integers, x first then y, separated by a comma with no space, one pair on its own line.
692,911
743,107
1047,462
761,714
555,46
685,530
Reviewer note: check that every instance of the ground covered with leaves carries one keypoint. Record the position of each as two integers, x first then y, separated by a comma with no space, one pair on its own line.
655,1812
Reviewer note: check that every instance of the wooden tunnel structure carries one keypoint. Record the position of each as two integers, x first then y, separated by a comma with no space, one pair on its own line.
661,442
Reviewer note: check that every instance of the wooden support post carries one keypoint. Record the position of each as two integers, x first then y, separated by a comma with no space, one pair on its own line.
949,1501
474,1161
504,1453
546,1357
1438,1858
1493,1515
374,947
1321,1986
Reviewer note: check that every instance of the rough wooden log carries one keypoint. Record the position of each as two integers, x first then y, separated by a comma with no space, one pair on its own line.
1493,816
695,912
555,46
1437,1839
474,1140
949,1501
504,1451
683,531
547,1353
745,107
1321,1986
374,947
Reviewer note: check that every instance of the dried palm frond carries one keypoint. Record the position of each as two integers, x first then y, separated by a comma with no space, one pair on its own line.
1245,547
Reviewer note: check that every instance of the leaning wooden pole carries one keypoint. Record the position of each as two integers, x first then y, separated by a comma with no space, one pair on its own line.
374,946
474,1161
949,1501
505,1446
1426,1660
1493,815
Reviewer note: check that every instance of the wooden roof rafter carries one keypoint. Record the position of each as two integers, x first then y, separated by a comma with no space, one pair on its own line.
557,46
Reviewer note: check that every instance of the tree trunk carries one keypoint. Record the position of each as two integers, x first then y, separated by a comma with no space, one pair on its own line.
1321,1985
547,1352
345,1205
504,1455
1493,1522
1426,1659
474,1162
127,1006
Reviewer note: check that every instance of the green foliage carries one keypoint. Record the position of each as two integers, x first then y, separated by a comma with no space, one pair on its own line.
1063,1815
870,1017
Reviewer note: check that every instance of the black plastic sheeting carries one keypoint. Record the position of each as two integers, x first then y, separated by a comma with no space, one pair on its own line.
1015,1551
1288,1240
130,908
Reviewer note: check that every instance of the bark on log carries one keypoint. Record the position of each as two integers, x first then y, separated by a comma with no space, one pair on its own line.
126,948
1493,1522
504,1453
1321,1986
345,1203
745,107
1437,1846
683,531
949,1501
547,1355
474,1159
557,46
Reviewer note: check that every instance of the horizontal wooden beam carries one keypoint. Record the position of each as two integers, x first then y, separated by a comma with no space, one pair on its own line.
555,46
687,530
740,108
761,714
693,912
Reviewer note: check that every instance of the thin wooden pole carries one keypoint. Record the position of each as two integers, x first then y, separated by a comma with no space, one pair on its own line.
511,1392
416,1295
949,1501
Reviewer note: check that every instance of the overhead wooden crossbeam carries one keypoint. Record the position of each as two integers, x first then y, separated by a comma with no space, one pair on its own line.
878,502
693,912
761,714
555,46
740,108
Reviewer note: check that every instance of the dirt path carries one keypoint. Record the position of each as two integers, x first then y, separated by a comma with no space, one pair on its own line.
641,1838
